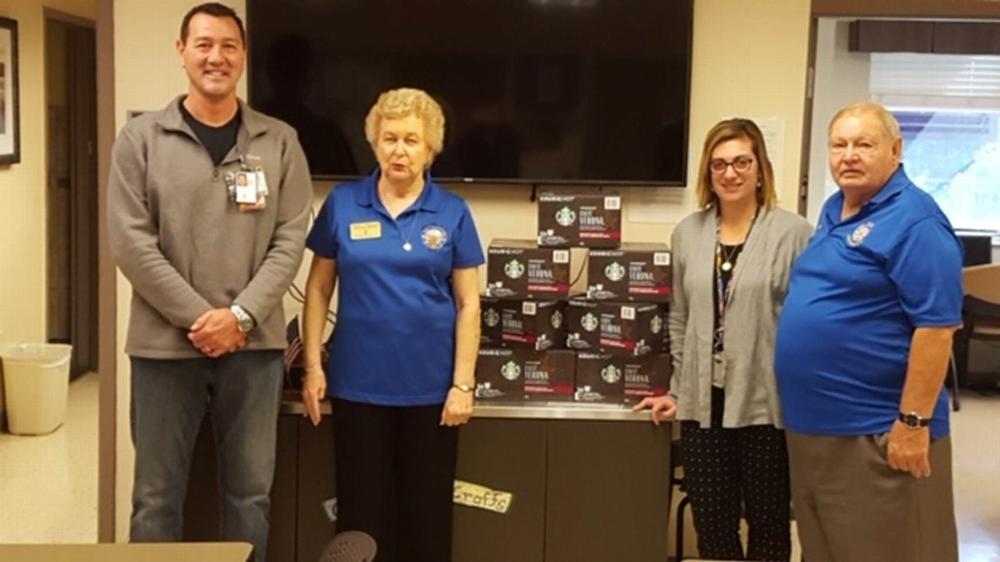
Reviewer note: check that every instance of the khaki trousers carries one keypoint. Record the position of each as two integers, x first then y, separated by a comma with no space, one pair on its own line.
850,506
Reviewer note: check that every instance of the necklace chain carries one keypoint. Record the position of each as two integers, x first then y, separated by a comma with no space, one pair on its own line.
413,223
725,263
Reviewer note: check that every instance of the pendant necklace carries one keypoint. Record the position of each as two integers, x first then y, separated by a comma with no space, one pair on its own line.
407,246
727,262
726,257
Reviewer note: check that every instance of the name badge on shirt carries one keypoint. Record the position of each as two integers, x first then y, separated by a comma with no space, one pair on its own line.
366,230
246,188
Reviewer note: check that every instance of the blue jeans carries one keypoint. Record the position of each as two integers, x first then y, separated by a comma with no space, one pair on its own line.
170,397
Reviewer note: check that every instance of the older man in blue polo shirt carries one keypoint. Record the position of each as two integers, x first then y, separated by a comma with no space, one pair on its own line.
862,349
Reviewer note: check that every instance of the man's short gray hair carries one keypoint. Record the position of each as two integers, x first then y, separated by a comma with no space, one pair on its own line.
889,124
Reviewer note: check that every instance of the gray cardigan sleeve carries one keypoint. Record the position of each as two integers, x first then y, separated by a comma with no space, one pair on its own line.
790,247
264,292
677,319
134,241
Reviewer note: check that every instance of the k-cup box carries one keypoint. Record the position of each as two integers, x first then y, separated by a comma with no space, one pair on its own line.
491,322
631,328
549,375
537,325
634,272
520,269
647,376
600,377
500,375
588,219
665,323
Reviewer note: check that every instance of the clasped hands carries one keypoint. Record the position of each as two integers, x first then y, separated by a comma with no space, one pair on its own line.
216,333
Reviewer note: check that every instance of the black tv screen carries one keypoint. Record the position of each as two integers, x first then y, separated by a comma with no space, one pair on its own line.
534,91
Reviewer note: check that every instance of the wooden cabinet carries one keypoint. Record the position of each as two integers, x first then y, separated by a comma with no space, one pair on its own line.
573,480
940,37
608,495
508,456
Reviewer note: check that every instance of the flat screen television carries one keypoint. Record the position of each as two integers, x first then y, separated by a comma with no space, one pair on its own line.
533,91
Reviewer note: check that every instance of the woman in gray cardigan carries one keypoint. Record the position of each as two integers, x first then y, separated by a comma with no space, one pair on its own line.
731,262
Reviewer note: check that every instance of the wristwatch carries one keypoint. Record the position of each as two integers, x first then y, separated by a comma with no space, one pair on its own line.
913,420
462,387
244,321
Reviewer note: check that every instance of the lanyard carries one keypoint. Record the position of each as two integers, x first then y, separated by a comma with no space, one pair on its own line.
724,290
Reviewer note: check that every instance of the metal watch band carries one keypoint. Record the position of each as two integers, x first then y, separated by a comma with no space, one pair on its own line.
243,318
462,387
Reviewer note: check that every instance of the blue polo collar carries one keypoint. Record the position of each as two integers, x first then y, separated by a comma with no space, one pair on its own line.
896,184
429,200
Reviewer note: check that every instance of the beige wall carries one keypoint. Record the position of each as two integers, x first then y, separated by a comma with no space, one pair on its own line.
842,77
749,59
22,185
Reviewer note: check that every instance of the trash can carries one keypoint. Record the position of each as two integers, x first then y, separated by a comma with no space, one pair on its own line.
36,386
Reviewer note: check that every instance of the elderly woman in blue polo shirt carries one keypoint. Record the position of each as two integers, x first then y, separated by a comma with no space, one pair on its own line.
401,368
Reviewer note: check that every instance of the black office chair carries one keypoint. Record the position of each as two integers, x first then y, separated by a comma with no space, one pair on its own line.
980,311
350,546
677,483
952,382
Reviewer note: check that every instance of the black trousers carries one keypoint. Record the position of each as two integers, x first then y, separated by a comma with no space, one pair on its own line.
731,472
395,472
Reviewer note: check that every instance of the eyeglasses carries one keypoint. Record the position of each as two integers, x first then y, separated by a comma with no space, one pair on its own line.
740,164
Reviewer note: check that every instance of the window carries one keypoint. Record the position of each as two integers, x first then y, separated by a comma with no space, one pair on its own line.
955,156
948,107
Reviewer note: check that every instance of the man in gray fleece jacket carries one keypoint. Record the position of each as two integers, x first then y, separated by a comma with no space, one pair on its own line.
208,203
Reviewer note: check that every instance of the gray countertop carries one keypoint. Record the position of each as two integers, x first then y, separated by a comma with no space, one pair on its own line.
525,410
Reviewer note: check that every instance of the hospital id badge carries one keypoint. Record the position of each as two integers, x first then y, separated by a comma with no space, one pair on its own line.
246,188
262,190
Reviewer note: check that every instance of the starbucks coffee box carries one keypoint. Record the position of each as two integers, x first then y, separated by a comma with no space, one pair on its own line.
600,377
538,325
612,327
588,219
633,272
500,375
583,322
490,325
647,376
549,375
666,328
520,269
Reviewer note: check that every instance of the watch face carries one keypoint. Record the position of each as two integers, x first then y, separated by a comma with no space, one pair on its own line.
912,420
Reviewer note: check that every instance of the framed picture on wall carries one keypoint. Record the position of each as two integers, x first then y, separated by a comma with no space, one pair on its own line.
10,125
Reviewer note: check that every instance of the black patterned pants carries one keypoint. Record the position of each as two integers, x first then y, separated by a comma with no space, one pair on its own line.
735,472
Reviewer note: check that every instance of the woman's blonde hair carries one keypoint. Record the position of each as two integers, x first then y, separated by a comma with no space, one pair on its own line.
404,102
728,130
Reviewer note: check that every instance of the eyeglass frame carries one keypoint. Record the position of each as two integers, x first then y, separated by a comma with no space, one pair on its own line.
727,163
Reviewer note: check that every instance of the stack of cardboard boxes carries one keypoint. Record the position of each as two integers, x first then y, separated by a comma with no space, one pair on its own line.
608,343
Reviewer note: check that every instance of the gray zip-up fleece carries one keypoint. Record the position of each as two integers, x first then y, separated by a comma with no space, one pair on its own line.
760,282
185,246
